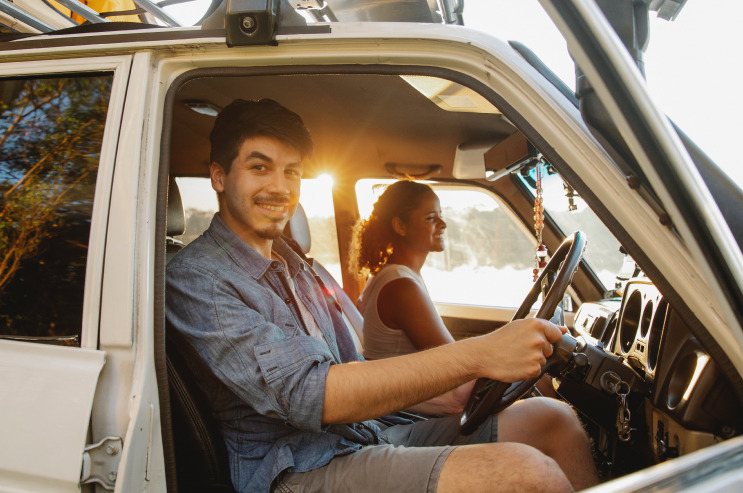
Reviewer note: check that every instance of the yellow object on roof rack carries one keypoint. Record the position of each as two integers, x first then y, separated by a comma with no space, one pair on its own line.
102,7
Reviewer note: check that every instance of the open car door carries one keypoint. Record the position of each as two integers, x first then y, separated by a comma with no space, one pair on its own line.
663,169
59,126
47,395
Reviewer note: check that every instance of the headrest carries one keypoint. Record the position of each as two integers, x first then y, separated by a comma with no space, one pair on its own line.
176,217
299,229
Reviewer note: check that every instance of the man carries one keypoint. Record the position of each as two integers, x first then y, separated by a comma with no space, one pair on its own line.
298,412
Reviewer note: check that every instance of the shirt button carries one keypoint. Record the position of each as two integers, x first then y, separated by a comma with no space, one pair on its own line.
274,265
287,301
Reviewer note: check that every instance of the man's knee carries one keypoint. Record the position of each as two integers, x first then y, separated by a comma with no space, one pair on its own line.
561,413
543,413
501,467
563,422
541,422
554,429
529,469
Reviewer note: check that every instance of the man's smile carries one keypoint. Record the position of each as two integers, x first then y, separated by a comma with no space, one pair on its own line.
274,207
271,207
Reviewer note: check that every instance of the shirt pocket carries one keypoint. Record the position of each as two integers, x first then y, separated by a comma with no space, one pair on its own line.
284,318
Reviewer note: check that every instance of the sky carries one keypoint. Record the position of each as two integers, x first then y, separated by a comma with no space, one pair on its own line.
693,65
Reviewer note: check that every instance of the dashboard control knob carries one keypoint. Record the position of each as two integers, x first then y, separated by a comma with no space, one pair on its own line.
580,360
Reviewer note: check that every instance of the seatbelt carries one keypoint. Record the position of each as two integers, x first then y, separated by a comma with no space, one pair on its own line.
346,346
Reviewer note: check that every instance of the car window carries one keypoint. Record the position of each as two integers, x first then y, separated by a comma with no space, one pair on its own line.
51,131
571,213
200,204
317,200
489,257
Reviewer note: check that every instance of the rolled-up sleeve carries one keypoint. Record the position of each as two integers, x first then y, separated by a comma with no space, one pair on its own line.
246,334
296,369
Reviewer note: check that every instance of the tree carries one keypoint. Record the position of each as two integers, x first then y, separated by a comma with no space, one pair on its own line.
50,138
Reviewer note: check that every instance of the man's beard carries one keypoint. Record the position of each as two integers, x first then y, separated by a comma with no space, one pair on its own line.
271,232
275,229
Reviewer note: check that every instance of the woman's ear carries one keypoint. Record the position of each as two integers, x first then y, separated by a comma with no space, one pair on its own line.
398,226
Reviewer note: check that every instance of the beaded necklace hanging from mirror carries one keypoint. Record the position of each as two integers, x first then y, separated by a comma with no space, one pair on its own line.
540,257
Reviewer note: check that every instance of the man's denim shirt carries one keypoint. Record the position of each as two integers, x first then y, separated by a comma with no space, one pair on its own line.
263,374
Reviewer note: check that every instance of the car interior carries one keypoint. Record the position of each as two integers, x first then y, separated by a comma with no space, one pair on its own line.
650,383
642,371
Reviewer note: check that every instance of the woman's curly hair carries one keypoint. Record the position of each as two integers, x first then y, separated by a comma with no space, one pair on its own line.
373,239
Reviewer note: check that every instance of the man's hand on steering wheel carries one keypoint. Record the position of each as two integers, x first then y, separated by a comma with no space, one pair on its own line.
525,346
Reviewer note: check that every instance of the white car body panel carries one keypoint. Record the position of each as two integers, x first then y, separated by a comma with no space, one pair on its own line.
46,394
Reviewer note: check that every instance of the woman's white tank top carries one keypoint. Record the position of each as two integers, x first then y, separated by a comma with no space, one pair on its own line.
381,341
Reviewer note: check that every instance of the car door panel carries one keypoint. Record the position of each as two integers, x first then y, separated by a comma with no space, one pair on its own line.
47,395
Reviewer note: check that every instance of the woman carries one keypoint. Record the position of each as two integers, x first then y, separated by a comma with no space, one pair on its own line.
391,246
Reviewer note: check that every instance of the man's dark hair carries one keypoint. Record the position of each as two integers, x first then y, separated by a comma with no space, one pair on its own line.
242,120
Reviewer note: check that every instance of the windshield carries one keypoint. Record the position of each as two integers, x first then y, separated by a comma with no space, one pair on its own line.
570,212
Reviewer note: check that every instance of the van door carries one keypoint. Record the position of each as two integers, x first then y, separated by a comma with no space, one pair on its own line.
59,124
648,135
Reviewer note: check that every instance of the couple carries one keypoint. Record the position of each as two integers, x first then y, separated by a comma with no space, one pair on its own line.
298,408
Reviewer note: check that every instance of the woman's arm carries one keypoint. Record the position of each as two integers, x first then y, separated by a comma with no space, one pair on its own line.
403,305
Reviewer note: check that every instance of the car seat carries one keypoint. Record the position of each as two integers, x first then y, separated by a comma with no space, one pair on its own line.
198,448
298,232
176,221
201,462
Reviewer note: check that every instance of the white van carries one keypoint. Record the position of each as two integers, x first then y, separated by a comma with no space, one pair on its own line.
104,175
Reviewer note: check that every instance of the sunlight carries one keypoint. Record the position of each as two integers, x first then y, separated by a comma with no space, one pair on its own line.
188,13
367,192
326,179
197,194
317,196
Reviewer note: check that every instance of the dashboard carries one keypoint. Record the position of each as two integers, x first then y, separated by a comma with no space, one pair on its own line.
631,326
641,323
644,383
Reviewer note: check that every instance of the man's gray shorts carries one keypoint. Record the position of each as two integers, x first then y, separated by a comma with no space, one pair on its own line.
410,463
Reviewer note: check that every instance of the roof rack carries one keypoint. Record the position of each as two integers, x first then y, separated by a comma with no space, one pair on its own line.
83,11
24,18
41,17
35,17
667,9
156,10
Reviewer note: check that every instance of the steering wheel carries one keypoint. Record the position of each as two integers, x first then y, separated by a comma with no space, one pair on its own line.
491,396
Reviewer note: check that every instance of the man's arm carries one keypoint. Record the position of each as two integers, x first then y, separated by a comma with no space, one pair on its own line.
360,391
450,403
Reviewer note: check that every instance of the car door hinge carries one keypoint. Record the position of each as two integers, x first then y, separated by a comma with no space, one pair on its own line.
101,462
